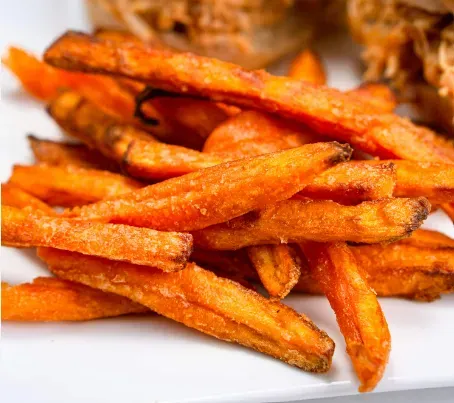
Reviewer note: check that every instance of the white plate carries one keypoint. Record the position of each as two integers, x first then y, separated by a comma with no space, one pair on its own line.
151,359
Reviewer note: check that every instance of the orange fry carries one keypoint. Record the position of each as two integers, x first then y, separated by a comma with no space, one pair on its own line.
378,95
16,197
128,146
323,109
423,238
408,271
64,154
70,186
168,251
308,67
235,262
220,193
353,182
448,208
201,300
252,133
419,267
295,221
429,179
357,310
196,119
52,299
276,267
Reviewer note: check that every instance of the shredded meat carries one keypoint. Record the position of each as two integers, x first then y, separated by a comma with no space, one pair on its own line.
407,43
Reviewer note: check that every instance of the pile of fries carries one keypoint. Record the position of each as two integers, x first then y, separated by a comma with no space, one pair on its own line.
194,180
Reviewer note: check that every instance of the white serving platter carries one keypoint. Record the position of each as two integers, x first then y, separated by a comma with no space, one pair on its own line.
151,359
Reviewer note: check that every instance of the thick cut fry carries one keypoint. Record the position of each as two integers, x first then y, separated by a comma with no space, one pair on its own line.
323,109
308,67
69,186
252,133
53,299
295,221
429,179
125,144
64,154
276,267
212,305
168,251
378,95
423,238
220,193
357,310
16,197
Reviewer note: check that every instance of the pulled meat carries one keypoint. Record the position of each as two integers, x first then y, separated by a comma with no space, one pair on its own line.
407,43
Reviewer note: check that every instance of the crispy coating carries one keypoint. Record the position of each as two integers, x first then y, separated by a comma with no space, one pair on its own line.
69,186
128,146
307,66
168,251
378,95
408,271
433,180
325,110
220,193
252,133
295,221
52,299
14,196
357,310
64,154
353,182
276,267
201,300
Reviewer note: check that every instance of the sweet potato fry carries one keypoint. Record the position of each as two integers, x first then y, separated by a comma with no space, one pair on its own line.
45,82
252,133
14,196
235,262
429,179
398,273
64,154
357,310
323,109
203,301
276,268
295,221
423,238
353,182
128,146
70,186
408,271
448,208
307,66
219,193
168,251
53,299
378,95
